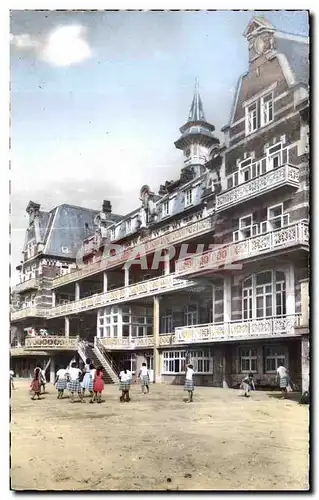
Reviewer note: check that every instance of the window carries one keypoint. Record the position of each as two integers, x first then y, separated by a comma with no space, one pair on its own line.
264,295
188,197
248,360
276,156
113,233
107,321
174,362
232,181
251,118
167,323
191,315
247,298
276,217
246,228
274,357
245,170
201,360
266,109
259,113
128,361
149,361
165,208
128,226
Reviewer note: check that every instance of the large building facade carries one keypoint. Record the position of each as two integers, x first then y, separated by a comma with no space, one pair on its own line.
213,269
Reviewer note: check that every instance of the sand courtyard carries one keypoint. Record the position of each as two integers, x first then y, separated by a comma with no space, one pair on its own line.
221,441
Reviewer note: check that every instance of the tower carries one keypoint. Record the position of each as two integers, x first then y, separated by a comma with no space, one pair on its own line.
197,138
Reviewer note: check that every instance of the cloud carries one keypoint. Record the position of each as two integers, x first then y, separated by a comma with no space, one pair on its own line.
64,46
24,41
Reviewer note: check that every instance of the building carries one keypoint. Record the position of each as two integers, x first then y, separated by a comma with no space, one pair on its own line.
212,269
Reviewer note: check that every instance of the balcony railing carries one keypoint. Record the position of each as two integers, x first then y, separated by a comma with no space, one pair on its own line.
285,175
226,255
26,285
28,312
126,343
279,326
52,342
142,289
147,245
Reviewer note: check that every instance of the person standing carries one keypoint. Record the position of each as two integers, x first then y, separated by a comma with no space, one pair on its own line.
189,382
36,383
145,379
11,379
60,382
74,374
125,384
282,375
98,385
86,382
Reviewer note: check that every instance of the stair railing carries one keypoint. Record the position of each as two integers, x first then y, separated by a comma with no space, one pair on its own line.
105,359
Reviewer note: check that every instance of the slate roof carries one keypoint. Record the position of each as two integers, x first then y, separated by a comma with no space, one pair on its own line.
296,49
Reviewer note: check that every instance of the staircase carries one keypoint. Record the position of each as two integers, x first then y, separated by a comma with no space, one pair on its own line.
99,358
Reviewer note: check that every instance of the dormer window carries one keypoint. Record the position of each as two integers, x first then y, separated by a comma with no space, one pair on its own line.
266,109
128,226
188,197
251,118
113,233
165,208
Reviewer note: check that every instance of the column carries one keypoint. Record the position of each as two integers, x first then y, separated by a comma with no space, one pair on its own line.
53,298
104,281
227,299
77,290
156,354
126,276
167,267
304,363
66,326
290,290
52,371
304,292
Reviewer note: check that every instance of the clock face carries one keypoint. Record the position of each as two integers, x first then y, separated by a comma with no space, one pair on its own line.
259,45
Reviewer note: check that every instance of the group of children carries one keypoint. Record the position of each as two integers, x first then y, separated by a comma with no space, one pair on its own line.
77,381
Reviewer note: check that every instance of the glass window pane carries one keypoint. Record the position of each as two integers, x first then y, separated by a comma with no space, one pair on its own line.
263,278
253,365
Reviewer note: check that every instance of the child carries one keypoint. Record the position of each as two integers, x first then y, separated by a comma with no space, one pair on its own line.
145,379
98,384
60,382
74,384
282,375
125,384
247,384
36,383
189,382
11,379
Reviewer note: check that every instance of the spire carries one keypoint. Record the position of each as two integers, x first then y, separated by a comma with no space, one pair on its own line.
196,113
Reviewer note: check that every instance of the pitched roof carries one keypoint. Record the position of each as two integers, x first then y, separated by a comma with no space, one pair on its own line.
68,228
296,50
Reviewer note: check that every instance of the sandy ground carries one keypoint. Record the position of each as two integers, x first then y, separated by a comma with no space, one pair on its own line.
157,442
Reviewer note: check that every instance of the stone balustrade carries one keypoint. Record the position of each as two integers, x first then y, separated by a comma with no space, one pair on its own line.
282,176
147,288
273,327
231,253
177,232
126,343
26,285
29,312
52,342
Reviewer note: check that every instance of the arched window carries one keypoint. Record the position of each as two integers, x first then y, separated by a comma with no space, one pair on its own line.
264,295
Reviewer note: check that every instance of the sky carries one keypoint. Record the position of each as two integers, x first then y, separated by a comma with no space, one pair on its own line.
97,99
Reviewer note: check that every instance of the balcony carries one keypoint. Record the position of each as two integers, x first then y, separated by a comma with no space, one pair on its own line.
265,328
126,343
287,175
224,256
52,342
29,312
143,289
146,245
26,285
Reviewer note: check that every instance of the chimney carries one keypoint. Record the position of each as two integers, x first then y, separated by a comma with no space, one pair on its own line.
107,207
